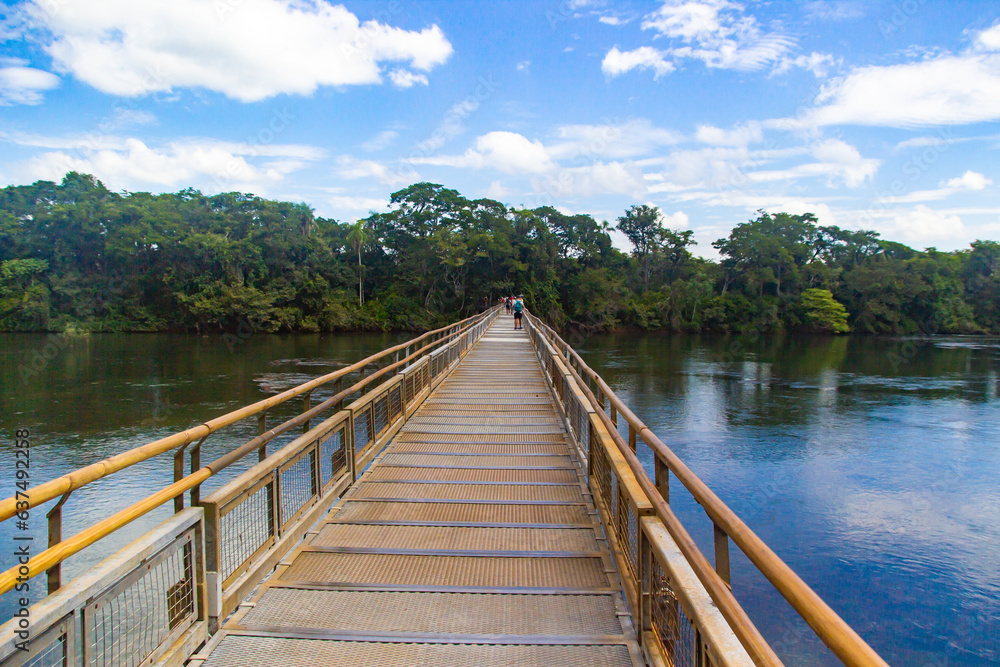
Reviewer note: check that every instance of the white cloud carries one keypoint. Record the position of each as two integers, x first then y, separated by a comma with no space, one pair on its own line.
836,10
921,226
122,118
213,166
508,152
920,142
451,125
513,153
970,180
939,91
628,139
740,135
836,159
380,141
348,207
497,190
352,168
689,21
619,178
678,220
612,20
403,78
989,39
617,62
24,85
523,65
719,33
247,50
817,63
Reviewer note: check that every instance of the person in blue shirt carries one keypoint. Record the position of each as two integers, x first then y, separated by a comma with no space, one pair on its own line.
518,311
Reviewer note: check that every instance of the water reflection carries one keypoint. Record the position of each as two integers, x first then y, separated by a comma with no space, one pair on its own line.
870,465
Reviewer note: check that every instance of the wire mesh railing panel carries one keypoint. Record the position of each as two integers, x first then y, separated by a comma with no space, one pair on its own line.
409,384
362,428
380,415
582,423
676,636
611,500
245,528
332,456
627,527
126,625
55,654
395,403
601,474
297,483
53,648
572,407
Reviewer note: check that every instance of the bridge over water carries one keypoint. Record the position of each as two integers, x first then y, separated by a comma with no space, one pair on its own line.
472,498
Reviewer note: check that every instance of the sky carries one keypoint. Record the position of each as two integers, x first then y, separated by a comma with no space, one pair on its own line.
869,114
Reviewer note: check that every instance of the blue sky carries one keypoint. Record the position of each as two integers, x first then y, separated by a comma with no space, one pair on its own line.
875,115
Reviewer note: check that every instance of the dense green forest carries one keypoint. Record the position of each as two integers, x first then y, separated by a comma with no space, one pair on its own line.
76,257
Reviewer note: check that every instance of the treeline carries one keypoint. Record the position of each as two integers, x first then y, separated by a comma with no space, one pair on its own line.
76,257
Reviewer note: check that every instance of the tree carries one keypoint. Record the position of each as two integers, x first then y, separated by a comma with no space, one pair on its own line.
824,312
768,250
74,255
358,237
641,225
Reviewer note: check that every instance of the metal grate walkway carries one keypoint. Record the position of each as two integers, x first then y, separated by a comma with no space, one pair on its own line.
471,540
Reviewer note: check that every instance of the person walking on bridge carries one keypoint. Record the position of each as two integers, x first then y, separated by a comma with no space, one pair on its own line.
518,311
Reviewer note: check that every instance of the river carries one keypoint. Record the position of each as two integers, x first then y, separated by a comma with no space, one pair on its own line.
870,465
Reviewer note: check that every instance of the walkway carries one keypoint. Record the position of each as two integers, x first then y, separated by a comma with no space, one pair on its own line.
471,540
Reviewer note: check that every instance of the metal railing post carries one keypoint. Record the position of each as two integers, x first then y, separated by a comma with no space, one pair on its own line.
196,466
261,430
349,446
306,406
661,477
178,476
53,575
213,566
722,554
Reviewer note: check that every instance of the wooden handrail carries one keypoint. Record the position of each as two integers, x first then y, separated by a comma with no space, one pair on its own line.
840,637
58,553
95,471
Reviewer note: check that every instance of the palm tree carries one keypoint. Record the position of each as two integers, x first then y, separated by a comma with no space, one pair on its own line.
358,237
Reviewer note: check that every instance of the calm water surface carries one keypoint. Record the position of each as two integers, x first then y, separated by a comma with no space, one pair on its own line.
871,466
